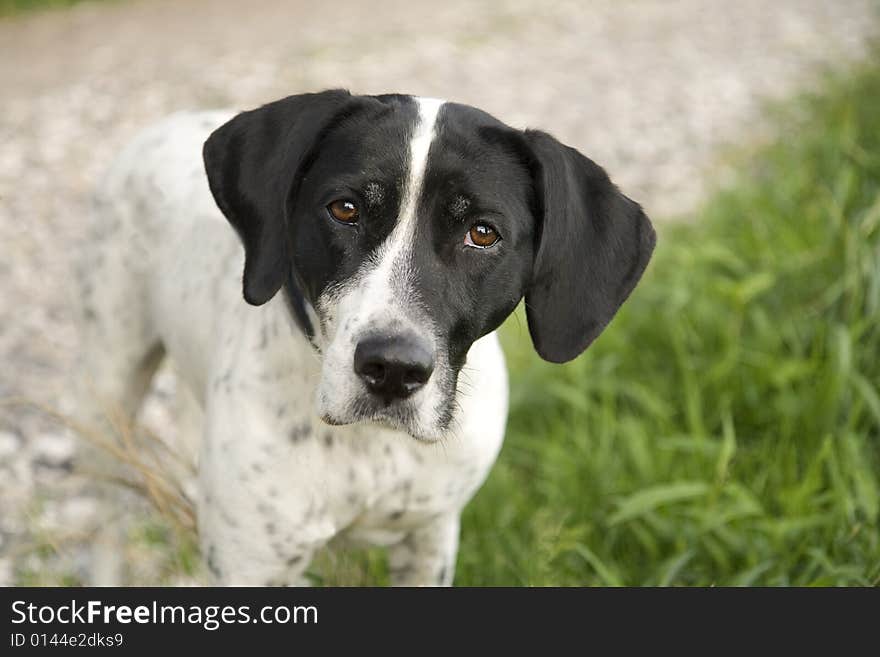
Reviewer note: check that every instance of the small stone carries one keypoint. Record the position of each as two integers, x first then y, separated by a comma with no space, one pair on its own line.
53,449
9,444
79,511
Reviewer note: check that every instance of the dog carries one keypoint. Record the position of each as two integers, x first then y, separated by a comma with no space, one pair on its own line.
361,392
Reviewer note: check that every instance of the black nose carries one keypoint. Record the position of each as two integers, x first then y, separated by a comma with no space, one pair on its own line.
393,367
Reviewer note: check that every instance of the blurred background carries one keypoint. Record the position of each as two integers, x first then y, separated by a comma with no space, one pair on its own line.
725,430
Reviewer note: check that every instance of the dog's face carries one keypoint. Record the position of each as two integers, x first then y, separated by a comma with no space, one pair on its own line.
413,227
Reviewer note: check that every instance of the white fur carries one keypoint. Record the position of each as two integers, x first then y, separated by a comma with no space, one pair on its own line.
276,484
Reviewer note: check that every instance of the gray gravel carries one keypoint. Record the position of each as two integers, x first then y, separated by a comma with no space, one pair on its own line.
653,90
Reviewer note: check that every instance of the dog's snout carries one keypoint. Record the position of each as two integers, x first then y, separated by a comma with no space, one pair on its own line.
393,367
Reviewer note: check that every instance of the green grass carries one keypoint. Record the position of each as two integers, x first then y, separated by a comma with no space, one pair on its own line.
725,429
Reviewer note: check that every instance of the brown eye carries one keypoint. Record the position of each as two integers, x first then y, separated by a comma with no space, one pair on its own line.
481,236
344,211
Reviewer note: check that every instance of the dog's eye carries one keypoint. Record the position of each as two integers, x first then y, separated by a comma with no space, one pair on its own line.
343,211
481,236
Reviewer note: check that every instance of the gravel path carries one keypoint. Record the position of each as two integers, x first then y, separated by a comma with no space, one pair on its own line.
652,89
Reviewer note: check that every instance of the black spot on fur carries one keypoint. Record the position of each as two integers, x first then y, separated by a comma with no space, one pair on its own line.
211,561
402,572
300,432
227,518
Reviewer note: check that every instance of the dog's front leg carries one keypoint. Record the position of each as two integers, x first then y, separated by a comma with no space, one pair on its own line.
426,556
244,543
259,523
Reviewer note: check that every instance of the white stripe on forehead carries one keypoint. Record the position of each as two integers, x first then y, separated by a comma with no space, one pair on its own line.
392,256
419,145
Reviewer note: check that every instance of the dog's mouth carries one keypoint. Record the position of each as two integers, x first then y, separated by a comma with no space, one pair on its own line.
397,416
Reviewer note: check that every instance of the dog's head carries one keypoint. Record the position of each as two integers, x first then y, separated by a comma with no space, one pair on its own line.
413,227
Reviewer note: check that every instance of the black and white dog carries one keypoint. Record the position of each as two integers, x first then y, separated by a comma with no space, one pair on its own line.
385,239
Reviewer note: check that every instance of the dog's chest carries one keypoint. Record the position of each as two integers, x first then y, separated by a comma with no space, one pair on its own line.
367,484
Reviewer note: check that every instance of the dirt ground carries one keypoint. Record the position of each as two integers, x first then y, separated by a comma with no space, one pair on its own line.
653,90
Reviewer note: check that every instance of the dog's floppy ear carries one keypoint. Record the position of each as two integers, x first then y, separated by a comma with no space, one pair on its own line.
594,245
252,163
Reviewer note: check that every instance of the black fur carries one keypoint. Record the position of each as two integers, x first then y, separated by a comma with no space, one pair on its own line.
470,178
252,163
594,245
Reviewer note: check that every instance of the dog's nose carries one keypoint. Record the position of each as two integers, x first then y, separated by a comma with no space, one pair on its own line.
393,367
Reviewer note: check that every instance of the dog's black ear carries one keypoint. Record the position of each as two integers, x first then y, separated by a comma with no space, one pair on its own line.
252,163
594,244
